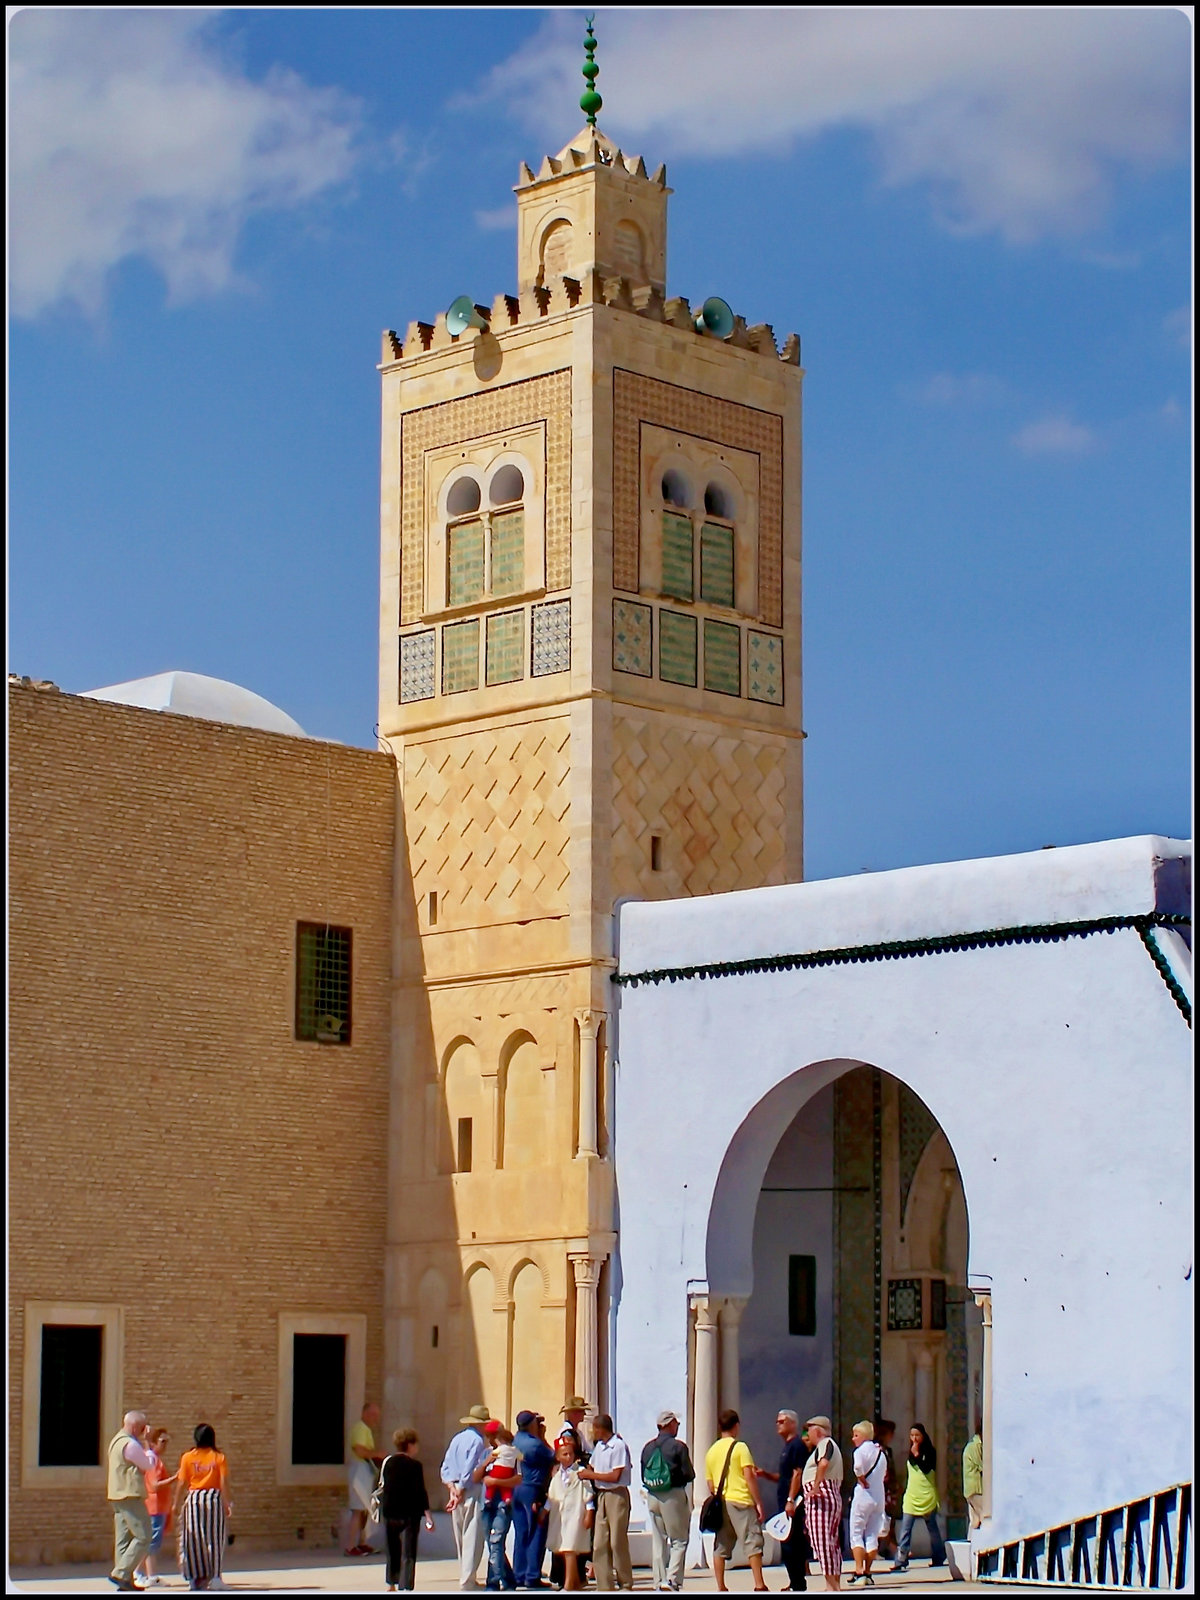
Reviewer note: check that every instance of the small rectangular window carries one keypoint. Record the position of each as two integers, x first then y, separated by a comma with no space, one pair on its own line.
466,542
433,908
678,577
318,1399
655,853
323,982
464,1144
716,564
69,1415
802,1296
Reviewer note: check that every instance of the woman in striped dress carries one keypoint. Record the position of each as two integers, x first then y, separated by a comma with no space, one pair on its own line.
823,1499
202,1484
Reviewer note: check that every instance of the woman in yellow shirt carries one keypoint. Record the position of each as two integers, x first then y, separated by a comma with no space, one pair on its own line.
202,1484
920,1499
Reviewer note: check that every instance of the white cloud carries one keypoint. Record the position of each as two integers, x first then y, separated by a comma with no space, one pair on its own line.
961,390
131,135
494,221
1015,119
1179,326
1055,436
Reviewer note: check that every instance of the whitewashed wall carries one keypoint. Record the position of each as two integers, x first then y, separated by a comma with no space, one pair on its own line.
1062,1076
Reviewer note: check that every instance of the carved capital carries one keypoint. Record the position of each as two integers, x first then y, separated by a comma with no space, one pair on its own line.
587,1270
589,1022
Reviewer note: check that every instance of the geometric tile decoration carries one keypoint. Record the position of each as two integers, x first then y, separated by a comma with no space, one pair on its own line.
514,405
551,638
460,656
466,563
677,647
764,667
638,400
917,1127
508,552
716,564
722,657
903,1304
505,653
416,666
717,799
632,638
677,577
488,812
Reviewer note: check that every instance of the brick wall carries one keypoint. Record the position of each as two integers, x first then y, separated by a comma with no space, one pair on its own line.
173,1148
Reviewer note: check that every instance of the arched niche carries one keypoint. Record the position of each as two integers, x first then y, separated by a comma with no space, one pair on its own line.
485,1344
527,1126
536,1344
466,1102
557,249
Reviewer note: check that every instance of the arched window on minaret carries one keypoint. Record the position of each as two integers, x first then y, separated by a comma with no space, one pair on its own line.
485,545
717,541
678,536
506,494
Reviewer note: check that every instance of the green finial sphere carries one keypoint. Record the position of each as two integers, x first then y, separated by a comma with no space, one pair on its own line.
589,101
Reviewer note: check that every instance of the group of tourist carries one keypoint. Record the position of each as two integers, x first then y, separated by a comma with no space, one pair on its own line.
147,1501
569,1496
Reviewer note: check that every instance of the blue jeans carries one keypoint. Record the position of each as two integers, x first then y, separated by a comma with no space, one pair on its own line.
937,1547
529,1535
497,1517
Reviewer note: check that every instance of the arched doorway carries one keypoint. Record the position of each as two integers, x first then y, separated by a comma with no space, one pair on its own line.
837,1270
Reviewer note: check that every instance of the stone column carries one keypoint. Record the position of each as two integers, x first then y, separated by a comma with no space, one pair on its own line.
587,1336
589,1025
731,1381
983,1299
704,1388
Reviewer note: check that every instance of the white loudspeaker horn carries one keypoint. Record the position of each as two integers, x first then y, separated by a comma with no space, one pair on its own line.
464,314
715,317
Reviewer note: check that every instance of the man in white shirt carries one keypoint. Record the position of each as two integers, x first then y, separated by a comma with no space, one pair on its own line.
610,1470
466,1451
866,1508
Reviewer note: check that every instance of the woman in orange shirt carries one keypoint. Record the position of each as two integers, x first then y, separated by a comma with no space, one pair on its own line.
203,1478
158,1504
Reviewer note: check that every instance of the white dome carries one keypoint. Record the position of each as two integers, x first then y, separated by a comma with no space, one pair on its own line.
191,694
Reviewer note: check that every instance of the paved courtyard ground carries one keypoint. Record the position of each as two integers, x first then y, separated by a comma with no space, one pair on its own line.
331,1573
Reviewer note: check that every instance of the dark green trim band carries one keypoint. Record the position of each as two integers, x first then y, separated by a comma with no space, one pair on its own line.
1044,933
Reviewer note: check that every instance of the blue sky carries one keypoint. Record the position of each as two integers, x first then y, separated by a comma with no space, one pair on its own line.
979,223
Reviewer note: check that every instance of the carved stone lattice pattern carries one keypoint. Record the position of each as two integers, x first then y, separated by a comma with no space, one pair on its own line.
637,399
551,638
478,416
416,666
715,800
486,815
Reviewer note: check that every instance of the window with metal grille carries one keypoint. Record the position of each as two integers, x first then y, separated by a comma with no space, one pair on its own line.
323,982
318,1399
69,1414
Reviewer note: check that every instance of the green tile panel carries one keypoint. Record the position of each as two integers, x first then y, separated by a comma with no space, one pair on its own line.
460,656
508,552
632,630
677,577
466,563
505,647
677,647
764,667
716,564
722,657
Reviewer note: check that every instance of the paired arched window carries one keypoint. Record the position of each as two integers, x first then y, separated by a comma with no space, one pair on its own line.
485,547
712,552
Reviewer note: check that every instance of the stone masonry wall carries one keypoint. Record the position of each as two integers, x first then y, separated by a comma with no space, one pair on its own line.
173,1149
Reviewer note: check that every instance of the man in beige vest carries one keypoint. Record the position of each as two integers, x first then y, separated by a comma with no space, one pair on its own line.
128,1459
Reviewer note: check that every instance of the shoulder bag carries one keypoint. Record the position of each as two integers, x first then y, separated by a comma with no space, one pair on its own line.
377,1493
712,1512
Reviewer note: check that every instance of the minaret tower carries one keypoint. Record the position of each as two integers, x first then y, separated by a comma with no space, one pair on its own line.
590,680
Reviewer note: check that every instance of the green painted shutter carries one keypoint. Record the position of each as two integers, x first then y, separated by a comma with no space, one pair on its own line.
722,657
508,552
677,578
716,564
677,647
466,563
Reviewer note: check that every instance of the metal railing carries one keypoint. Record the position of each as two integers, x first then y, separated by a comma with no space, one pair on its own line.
1144,1544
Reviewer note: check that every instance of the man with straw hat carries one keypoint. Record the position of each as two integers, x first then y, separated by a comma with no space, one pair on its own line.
466,1451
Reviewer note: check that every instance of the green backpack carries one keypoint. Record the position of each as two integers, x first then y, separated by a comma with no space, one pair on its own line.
656,1474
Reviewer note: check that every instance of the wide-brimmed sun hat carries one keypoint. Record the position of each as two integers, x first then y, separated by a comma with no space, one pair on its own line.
576,1403
475,1416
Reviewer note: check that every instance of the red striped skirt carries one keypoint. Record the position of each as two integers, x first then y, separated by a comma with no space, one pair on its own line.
822,1520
